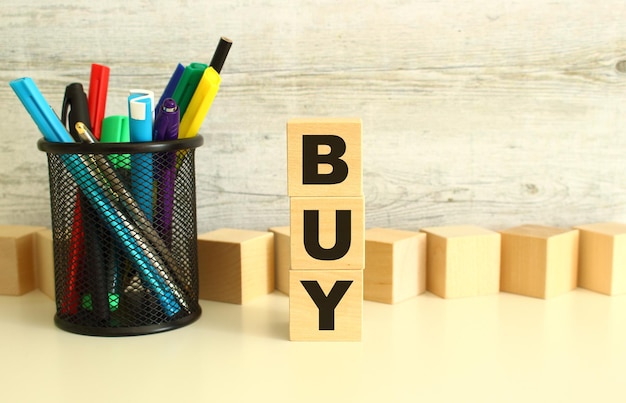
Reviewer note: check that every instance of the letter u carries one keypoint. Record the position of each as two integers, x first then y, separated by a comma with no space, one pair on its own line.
343,235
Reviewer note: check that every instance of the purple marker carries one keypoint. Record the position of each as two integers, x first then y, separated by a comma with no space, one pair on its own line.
165,129
167,121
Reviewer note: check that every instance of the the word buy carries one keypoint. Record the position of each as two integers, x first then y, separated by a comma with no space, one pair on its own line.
325,186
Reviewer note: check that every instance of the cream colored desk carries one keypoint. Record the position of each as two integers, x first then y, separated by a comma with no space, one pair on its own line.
501,348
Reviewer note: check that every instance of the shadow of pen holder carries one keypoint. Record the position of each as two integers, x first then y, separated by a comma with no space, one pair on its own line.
124,236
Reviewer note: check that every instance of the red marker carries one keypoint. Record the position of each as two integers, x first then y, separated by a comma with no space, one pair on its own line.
71,293
98,87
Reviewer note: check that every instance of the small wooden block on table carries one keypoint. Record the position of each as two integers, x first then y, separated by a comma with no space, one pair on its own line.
539,261
395,265
462,261
235,265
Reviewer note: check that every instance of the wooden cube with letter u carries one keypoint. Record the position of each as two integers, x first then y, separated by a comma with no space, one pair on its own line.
327,233
325,305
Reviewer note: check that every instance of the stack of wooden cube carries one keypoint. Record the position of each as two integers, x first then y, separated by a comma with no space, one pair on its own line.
327,229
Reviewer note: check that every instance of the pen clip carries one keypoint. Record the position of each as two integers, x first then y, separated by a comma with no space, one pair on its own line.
75,108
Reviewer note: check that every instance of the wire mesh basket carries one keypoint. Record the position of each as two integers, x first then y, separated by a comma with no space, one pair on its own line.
124,236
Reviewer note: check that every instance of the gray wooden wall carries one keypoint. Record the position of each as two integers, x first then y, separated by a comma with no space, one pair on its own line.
495,113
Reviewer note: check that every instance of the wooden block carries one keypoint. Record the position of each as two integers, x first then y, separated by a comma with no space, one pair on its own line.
282,258
339,295
462,261
235,265
324,157
17,274
602,258
334,233
539,261
44,262
395,265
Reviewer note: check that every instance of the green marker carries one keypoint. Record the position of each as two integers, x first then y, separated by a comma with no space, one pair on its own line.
114,302
116,129
187,85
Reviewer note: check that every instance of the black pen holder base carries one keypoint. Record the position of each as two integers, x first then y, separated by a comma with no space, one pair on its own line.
124,236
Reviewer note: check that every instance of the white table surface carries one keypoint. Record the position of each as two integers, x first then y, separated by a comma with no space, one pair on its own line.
500,348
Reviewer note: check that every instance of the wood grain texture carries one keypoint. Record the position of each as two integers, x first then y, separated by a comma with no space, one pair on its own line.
282,257
43,260
486,112
539,261
462,261
17,269
602,258
395,265
235,265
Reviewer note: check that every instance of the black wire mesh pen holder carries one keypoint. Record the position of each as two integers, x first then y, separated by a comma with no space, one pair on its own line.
124,236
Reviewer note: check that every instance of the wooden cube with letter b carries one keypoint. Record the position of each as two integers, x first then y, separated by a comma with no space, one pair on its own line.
324,157
327,228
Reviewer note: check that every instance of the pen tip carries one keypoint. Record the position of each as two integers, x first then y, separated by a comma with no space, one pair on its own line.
84,133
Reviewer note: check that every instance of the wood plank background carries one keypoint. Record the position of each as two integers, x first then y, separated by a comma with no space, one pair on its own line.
494,113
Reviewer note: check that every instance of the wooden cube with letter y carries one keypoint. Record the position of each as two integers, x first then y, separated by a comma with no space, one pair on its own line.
325,305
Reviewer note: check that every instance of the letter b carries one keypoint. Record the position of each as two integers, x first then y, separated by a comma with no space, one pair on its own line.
311,159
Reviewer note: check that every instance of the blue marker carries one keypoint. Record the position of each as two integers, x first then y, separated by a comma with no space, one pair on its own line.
171,85
46,120
141,115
